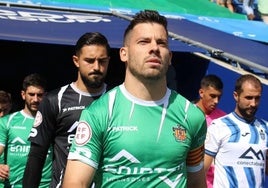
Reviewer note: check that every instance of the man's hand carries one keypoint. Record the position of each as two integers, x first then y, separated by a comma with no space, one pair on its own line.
4,171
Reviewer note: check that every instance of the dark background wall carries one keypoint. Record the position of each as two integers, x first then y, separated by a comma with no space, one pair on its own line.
54,62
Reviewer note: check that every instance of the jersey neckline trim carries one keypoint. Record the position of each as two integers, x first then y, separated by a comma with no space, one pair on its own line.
144,102
86,93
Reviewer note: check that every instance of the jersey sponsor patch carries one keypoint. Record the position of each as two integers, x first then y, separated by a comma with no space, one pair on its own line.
38,119
83,133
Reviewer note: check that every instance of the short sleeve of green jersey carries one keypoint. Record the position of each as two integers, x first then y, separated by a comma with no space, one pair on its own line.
87,145
194,120
3,136
197,130
198,126
3,131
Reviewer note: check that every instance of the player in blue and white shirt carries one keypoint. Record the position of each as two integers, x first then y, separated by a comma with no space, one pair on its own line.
238,141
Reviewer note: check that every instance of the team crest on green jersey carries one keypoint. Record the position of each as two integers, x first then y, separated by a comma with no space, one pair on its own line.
179,133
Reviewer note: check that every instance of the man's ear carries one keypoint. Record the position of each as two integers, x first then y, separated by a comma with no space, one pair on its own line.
75,60
201,92
235,96
123,54
23,94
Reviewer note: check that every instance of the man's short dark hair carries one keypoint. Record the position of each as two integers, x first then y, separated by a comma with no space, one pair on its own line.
246,78
92,38
213,81
34,79
5,97
146,16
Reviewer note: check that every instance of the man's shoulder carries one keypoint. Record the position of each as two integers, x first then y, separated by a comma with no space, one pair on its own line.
216,113
57,94
262,121
186,103
218,110
106,97
224,120
12,115
186,107
56,91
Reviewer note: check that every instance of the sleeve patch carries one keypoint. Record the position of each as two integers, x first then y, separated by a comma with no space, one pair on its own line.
83,133
38,119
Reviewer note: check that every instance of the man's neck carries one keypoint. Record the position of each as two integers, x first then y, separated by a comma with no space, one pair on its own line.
145,91
82,87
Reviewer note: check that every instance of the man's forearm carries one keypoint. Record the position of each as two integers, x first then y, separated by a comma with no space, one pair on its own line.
34,166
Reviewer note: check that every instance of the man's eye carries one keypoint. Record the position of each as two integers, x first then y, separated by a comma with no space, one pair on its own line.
90,61
103,61
162,43
143,42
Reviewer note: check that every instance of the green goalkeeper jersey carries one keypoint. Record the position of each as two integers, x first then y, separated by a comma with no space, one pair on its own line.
14,132
136,143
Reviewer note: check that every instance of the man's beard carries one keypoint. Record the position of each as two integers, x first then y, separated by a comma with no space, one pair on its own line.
32,110
93,82
249,116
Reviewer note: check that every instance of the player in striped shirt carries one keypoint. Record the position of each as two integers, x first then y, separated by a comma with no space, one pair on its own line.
238,141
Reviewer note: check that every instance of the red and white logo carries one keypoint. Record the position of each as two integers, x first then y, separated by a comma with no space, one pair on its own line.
83,133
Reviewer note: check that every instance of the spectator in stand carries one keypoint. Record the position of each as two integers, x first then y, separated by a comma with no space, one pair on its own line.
248,8
226,3
263,10
210,93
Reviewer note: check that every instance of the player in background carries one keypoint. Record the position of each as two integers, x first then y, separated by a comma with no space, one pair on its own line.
59,112
238,142
14,132
210,93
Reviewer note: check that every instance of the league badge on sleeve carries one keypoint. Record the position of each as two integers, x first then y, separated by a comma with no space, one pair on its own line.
83,133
